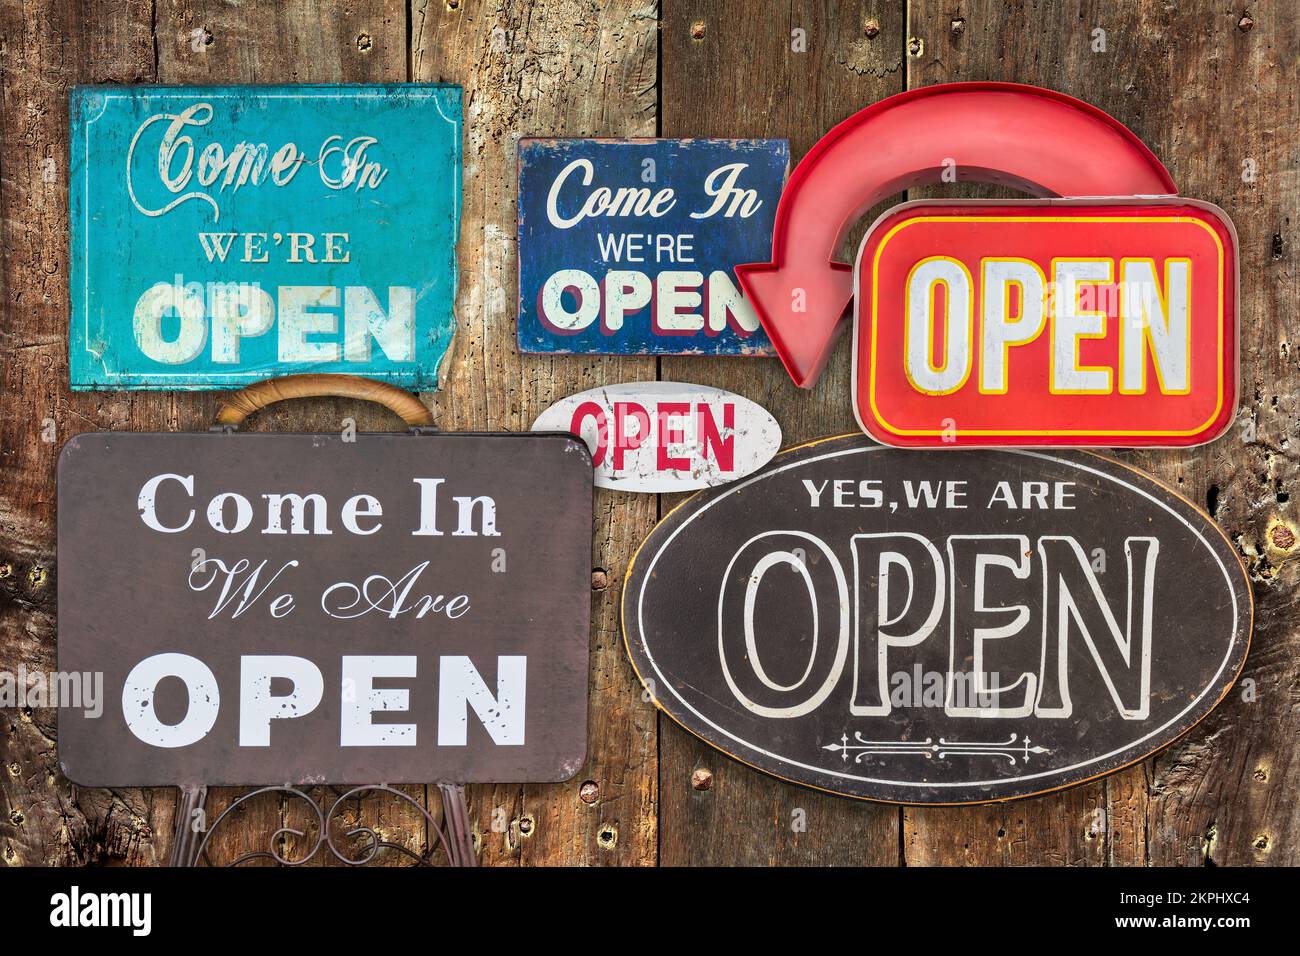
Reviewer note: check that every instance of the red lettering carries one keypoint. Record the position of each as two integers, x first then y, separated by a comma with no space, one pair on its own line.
671,434
593,411
623,442
710,436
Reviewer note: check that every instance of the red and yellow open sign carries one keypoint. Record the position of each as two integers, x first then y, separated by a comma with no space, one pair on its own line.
1067,322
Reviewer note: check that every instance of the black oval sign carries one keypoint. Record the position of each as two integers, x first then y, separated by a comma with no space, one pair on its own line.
942,627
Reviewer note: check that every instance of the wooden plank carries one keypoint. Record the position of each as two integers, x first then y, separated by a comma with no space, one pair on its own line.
302,41
1124,818
1066,828
1208,88
1218,794
45,46
212,42
1225,108
563,68
727,72
982,42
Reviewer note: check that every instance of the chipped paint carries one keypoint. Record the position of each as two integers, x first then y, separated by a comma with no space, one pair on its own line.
628,246
660,437
223,235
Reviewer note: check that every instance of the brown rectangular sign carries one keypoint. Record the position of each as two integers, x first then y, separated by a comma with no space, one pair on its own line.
274,609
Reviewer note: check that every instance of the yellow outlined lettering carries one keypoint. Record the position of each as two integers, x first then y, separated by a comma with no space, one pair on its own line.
1027,300
1071,285
959,291
1146,341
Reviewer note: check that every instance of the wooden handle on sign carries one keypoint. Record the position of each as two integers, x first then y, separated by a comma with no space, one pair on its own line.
239,405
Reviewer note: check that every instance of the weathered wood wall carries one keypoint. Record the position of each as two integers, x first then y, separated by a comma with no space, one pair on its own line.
1210,87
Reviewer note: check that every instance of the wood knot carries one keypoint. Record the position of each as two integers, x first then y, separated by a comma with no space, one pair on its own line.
1282,537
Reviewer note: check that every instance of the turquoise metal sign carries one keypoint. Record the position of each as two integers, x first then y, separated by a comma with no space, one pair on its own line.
222,235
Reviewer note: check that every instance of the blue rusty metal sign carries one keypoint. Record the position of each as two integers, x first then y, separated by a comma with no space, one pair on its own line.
222,235
629,246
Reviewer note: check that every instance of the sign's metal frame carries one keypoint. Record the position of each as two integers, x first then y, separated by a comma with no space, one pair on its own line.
191,846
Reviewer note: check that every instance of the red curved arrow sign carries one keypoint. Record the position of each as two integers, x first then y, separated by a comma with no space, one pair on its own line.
1039,141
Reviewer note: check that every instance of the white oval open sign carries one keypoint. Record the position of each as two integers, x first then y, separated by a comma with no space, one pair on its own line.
666,436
